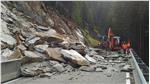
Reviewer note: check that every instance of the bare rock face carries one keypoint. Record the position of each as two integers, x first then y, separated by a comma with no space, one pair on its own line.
74,57
54,53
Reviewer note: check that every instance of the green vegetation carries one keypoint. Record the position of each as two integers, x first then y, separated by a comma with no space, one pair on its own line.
89,39
95,29
78,18
77,12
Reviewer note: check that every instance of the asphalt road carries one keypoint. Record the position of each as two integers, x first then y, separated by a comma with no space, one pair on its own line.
79,77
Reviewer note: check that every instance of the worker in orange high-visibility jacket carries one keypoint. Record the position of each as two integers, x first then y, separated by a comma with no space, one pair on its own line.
129,44
124,47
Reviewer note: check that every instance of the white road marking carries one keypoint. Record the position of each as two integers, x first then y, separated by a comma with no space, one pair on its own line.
128,78
9,82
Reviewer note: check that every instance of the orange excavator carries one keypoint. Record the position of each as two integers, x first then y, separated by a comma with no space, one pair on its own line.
113,41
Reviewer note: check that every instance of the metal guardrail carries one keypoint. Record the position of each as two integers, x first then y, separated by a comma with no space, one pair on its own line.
141,76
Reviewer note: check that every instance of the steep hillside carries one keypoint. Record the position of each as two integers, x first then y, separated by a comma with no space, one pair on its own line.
28,15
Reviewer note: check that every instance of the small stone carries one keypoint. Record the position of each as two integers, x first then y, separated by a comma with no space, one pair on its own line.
99,70
109,74
46,75
90,59
87,68
59,67
16,54
43,28
33,40
21,47
102,67
6,53
127,68
41,48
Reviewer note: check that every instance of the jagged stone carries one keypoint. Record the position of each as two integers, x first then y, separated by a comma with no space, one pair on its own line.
74,57
32,40
79,47
5,53
7,39
43,28
59,67
34,69
90,59
55,54
31,56
127,68
22,47
87,68
41,48
15,55
99,70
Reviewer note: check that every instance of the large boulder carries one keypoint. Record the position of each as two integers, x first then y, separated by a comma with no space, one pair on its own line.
54,53
6,38
35,69
74,57
31,56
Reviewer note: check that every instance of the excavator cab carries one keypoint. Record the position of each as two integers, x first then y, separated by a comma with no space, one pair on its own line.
115,42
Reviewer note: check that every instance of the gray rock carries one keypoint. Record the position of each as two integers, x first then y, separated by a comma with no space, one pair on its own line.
127,68
74,57
99,70
55,53
31,54
41,48
21,47
46,74
5,53
87,68
36,68
51,62
102,67
7,39
33,40
90,59
43,28
59,67
15,55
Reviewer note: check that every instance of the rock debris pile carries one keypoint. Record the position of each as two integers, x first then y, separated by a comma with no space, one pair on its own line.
45,52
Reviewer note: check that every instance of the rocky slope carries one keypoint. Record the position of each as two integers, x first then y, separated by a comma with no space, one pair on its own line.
48,43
